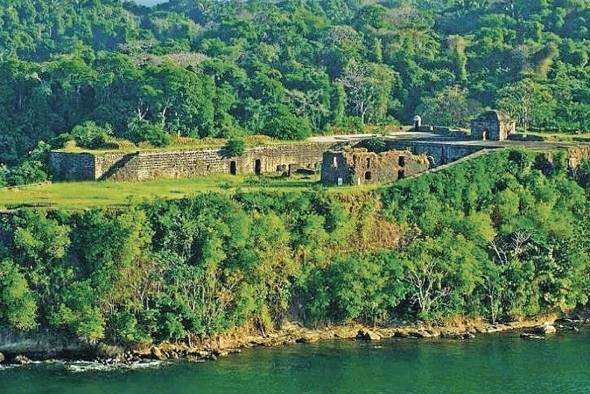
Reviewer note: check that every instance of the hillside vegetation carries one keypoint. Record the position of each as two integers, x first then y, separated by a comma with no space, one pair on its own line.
503,236
102,69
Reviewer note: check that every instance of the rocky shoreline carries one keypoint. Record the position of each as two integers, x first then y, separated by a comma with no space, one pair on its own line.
293,333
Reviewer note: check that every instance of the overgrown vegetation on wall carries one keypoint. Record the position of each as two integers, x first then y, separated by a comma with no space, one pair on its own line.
285,69
503,236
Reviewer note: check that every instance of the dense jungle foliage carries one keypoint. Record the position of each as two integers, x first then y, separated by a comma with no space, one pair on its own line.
287,69
503,236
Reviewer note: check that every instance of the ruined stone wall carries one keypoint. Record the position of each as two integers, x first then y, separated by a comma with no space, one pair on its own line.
359,166
493,126
147,165
438,153
72,166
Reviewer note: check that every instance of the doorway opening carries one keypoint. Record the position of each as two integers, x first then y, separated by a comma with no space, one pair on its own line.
258,167
233,168
368,176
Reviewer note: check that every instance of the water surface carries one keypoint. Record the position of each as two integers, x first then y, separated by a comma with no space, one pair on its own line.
501,363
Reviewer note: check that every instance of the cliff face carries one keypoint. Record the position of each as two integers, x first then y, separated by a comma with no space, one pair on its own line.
44,343
577,155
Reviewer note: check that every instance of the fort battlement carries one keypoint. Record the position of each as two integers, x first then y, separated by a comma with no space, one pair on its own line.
155,164
420,150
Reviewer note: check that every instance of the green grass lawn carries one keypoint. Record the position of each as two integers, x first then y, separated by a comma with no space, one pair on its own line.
79,195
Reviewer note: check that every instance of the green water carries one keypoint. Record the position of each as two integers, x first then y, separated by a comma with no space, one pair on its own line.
488,364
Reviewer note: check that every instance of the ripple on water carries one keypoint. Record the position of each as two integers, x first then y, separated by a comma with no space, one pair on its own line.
91,366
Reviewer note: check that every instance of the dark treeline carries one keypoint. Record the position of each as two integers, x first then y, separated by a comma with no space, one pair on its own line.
285,69
502,237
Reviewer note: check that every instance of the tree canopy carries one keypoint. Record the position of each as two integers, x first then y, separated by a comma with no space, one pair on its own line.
286,69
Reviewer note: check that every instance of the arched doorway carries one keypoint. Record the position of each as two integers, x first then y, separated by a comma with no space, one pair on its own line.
401,174
258,167
233,168
368,176
484,135
417,123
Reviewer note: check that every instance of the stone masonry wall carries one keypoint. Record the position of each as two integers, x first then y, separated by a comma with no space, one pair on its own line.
359,166
438,153
147,165
72,167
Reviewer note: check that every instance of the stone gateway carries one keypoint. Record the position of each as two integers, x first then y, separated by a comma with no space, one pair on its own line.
492,126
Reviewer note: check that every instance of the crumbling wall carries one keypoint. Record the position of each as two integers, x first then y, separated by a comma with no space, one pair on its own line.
492,125
72,166
359,166
438,153
144,165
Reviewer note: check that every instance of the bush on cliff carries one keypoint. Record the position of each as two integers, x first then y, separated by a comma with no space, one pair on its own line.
17,302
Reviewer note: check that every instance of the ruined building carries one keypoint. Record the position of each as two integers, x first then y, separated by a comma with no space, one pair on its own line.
157,164
493,126
338,166
359,166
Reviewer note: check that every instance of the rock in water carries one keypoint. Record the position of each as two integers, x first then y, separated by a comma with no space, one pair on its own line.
546,329
308,338
22,360
1,358
368,335
158,354
108,351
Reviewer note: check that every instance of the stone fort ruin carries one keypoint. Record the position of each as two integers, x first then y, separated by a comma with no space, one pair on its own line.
157,164
359,166
493,126
341,160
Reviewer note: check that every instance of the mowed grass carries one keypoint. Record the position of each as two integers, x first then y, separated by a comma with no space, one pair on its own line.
80,195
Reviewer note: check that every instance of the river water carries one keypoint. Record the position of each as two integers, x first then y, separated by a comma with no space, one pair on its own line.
497,363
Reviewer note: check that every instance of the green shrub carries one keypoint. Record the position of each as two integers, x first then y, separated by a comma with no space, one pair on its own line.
4,171
61,140
30,171
90,135
288,126
376,144
235,147
143,131
17,301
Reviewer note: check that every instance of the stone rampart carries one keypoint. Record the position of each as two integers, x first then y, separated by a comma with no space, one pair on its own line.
439,153
72,166
145,165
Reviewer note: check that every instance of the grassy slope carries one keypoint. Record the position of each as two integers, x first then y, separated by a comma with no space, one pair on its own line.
77,195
